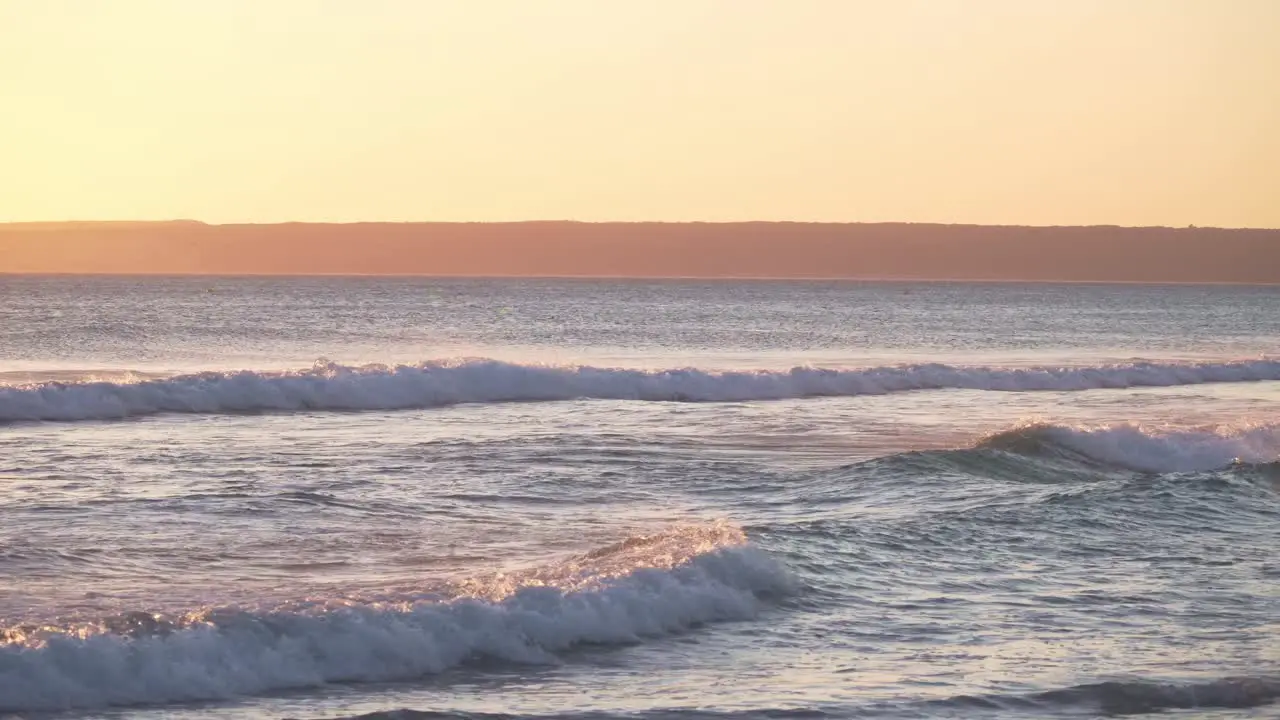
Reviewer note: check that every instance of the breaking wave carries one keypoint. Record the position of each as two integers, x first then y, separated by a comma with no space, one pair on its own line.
378,387
1145,449
644,587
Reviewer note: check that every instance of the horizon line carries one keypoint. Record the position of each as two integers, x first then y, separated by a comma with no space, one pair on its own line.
205,223
638,278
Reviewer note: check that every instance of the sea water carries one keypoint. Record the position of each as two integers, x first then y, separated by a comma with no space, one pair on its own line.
424,497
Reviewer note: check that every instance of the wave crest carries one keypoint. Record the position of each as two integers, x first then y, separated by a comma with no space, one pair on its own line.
1144,449
661,585
379,387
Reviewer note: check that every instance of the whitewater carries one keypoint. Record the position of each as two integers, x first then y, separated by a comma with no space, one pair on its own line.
224,652
622,499
330,386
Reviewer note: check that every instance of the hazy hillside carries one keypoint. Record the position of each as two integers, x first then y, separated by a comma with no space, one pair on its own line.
764,249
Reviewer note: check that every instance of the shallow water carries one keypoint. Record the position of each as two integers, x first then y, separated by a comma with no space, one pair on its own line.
650,499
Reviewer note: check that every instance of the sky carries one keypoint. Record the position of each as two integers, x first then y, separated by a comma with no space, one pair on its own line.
1040,112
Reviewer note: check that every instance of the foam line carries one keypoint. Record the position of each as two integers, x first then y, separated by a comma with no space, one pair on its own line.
618,595
1147,449
331,387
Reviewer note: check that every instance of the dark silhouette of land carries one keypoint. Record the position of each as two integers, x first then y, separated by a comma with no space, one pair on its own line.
712,250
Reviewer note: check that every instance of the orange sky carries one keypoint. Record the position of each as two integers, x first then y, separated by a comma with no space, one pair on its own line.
1131,112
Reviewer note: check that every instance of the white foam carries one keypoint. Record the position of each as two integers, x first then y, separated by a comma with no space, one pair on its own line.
378,387
1163,449
667,588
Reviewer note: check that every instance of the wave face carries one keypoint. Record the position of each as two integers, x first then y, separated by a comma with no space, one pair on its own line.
1120,697
379,387
1133,697
1134,447
643,587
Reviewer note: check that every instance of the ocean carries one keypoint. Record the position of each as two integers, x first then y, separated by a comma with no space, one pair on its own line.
493,498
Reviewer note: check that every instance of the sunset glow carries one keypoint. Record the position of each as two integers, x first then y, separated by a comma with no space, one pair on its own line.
639,359
1143,112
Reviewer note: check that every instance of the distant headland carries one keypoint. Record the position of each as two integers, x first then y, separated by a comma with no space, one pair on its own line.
887,251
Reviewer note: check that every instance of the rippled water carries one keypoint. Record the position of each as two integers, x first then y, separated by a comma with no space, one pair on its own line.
319,498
